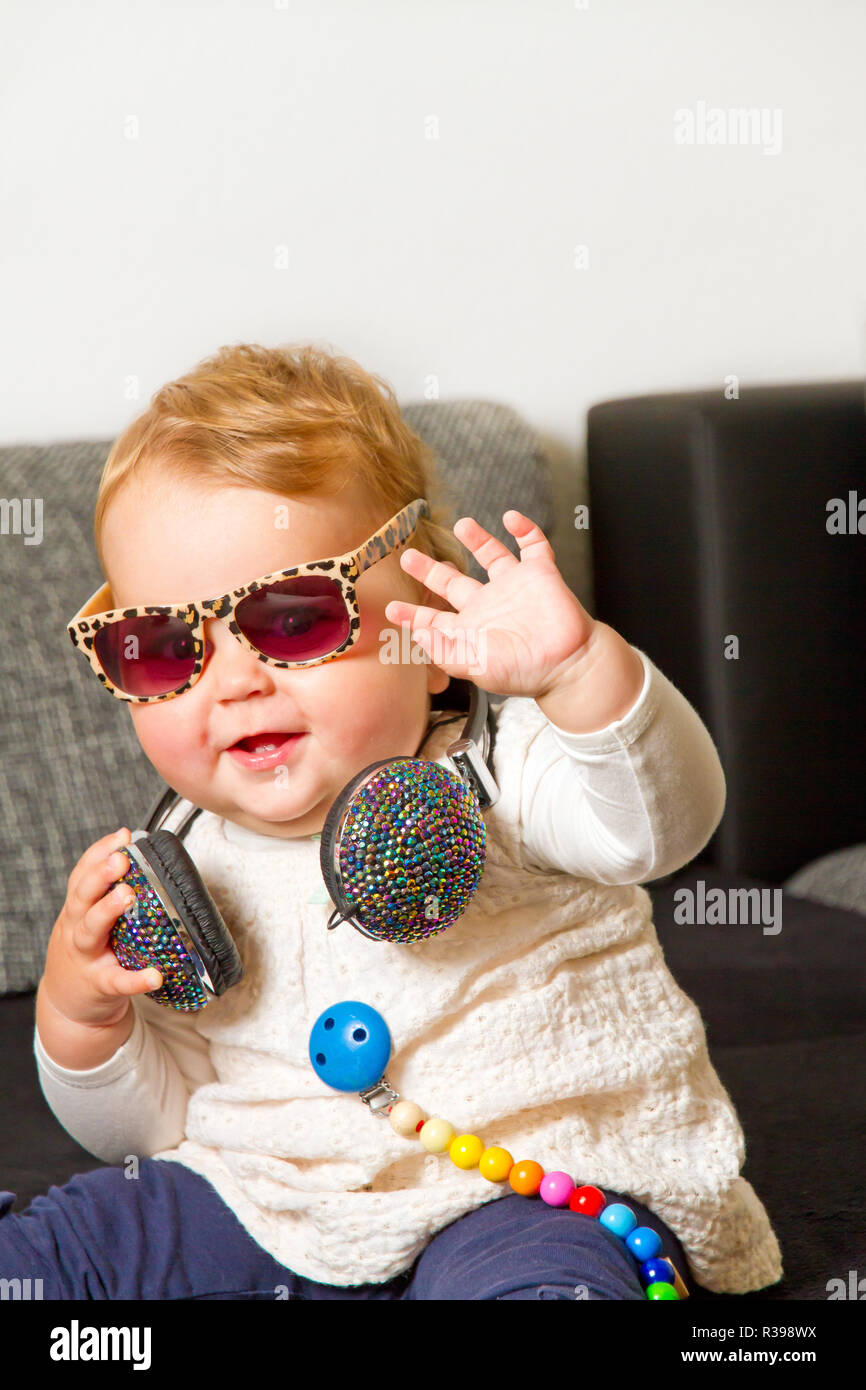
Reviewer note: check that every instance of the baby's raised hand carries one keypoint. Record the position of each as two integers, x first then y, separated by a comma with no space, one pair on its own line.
519,633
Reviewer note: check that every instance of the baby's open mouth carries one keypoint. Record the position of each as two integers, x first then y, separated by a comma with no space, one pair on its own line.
268,749
264,743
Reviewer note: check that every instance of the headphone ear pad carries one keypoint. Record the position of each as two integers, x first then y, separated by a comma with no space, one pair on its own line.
208,932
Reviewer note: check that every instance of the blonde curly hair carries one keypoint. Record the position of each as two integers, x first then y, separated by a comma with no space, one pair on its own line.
292,420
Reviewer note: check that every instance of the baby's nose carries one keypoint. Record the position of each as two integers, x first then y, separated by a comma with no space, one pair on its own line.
235,663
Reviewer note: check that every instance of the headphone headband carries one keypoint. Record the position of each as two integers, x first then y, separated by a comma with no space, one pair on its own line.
162,809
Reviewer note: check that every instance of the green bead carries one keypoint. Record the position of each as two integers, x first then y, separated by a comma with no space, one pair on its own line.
660,1290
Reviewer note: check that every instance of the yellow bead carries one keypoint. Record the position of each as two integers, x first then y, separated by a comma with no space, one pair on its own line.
405,1117
436,1135
465,1150
495,1164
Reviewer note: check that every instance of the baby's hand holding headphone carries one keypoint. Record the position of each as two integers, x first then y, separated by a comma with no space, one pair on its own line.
82,977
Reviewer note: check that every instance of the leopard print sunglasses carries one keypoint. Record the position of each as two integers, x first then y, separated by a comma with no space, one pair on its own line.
295,617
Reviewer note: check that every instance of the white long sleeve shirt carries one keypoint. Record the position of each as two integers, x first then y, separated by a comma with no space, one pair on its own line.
544,1020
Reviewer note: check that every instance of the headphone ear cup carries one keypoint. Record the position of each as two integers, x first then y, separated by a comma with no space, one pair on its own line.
146,934
402,850
330,838
196,908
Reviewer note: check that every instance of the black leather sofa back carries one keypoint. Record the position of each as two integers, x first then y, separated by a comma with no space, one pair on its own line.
709,520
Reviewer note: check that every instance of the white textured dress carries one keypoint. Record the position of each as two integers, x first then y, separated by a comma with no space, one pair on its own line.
545,1020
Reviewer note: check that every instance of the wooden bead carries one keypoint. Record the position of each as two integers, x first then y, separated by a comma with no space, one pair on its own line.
655,1292
525,1177
465,1150
405,1117
436,1135
676,1279
495,1164
588,1200
556,1188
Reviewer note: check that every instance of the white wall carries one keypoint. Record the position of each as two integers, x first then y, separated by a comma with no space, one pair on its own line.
179,176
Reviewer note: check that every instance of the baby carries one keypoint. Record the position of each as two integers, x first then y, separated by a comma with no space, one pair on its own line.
544,1019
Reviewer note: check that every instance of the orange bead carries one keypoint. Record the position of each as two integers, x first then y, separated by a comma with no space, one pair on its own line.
525,1177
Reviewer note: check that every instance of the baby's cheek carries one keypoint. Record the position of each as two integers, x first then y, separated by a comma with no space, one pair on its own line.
163,734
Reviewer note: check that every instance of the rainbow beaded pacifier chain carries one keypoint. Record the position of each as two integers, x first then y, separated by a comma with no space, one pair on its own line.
350,1047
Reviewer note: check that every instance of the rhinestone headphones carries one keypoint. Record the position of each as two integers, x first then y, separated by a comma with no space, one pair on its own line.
401,853
402,848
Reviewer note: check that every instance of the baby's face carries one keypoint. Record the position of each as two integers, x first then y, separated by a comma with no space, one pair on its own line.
176,541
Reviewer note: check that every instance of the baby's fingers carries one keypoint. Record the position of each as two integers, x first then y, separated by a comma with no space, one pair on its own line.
90,932
89,878
115,979
440,577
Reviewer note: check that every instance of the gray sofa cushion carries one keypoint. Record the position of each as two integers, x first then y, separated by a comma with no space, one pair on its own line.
837,879
71,768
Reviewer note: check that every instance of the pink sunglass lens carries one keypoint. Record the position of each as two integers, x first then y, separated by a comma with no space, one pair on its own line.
150,655
295,619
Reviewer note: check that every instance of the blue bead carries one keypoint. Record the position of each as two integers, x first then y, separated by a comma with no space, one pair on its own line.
350,1046
644,1243
656,1271
619,1219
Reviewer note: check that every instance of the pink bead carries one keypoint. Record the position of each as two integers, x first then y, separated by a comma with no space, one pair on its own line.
556,1188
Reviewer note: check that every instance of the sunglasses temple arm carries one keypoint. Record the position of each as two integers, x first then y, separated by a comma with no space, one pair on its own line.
364,556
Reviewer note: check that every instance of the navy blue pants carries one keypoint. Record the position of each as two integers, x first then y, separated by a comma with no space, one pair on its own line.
167,1234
